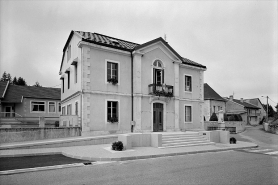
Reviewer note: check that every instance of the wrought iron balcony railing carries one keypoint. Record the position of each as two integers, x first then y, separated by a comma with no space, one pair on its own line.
161,90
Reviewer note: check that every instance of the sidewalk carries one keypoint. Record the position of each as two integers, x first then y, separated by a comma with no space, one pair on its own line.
104,152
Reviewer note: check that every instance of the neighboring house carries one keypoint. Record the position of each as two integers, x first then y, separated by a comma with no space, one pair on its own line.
110,83
27,102
213,102
248,112
262,112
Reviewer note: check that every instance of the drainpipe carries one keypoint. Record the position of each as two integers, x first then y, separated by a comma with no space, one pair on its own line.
131,91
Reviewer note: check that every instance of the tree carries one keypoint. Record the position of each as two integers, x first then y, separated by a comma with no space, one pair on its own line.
271,112
213,117
14,81
6,77
21,81
37,84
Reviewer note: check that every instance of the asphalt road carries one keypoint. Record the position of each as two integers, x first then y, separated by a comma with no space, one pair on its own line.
229,167
11,163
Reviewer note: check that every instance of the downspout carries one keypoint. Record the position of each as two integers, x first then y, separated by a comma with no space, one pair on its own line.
131,91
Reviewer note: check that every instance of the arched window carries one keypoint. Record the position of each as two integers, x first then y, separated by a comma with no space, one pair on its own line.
158,72
158,64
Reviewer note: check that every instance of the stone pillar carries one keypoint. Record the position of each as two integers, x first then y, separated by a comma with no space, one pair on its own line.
86,86
42,122
137,91
176,96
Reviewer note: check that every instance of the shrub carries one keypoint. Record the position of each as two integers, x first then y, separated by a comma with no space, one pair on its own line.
232,140
225,117
231,118
213,117
118,146
239,117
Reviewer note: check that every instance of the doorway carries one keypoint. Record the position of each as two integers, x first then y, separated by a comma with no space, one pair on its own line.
157,117
9,112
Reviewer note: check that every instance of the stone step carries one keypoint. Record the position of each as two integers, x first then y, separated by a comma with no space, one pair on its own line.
175,140
182,137
187,145
184,142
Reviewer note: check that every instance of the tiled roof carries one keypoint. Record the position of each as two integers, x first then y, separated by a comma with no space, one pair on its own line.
245,104
2,88
112,42
210,94
190,62
106,40
14,93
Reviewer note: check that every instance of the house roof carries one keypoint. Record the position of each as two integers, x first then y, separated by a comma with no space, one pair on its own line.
3,86
210,94
245,104
259,101
116,43
15,93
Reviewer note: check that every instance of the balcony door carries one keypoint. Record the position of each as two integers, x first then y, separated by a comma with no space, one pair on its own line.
157,117
158,77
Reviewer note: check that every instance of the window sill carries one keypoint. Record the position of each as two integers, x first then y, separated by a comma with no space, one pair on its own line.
37,112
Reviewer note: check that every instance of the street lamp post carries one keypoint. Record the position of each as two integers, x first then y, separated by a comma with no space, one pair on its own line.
266,108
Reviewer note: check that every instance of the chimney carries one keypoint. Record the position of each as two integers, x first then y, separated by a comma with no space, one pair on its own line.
241,100
231,98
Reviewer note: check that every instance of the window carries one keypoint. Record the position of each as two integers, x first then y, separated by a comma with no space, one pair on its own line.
69,109
69,52
51,107
75,71
37,106
112,111
68,79
63,85
187,114
59,107
112,70
63,110
76,108
213,108
188,83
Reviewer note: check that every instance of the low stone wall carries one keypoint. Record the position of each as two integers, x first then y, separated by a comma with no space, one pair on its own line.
8,135
238,125
271,129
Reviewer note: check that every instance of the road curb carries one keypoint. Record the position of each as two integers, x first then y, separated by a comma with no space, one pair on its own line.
16,171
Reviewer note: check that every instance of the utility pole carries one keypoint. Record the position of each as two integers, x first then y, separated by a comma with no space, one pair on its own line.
267,109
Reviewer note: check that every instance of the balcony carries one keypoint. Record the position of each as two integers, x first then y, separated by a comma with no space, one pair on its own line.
161,90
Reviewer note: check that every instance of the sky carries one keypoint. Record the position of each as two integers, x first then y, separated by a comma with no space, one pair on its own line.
236,40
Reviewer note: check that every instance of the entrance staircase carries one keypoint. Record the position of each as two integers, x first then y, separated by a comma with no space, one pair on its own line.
184,140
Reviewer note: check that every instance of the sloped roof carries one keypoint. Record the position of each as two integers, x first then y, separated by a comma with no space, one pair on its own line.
116,43
3,86
210,94
107,40
253,100
14,93
245,104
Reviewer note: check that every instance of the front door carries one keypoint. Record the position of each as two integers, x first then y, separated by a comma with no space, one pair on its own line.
9,112
157,117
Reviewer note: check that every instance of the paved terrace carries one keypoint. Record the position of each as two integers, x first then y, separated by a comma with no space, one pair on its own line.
103,152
